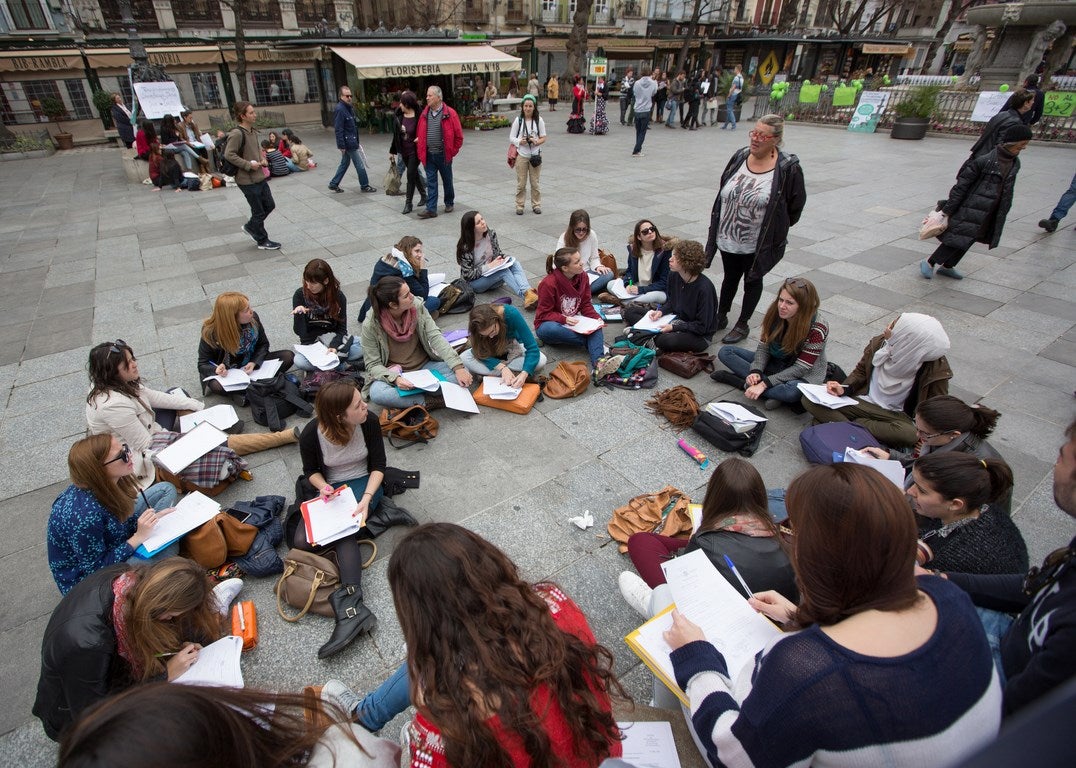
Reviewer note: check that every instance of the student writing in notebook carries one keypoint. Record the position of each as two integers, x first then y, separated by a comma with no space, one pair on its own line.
502,344
563,295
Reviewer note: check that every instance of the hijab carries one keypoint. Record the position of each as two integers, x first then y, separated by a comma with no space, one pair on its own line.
916,339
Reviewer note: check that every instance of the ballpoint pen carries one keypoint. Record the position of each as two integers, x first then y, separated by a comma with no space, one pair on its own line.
736,573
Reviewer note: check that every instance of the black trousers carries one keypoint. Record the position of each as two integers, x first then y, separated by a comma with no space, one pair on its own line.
736,266
260,199
680,341
414,180
947,256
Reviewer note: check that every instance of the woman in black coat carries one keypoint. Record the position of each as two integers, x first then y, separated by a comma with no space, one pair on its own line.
1019,104
121,118
978,203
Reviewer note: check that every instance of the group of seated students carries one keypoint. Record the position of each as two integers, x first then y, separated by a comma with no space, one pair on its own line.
509,673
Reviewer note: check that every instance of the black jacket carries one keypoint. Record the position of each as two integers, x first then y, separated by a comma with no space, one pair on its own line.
979,202
209,355
308,326
760,560
787,198
994,130
80,664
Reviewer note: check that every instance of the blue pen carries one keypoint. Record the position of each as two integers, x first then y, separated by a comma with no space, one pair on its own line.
736,573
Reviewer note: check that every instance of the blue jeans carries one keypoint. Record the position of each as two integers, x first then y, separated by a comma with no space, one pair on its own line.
292,166
738,360
559,335
671,106
387,396
160,496
642,124
730,111
1066,201
599,282
514,276
382,704
187,156
996,625
436,163
348,157
260,199
775,502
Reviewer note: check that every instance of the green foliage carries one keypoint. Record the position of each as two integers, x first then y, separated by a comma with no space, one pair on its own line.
54,109
920,101
25,143
102,100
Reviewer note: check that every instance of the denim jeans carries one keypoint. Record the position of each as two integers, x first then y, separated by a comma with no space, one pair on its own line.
1065,202
996,625
187,156
292,166
479,368
160,496
671,105
775,503
354,353
560,335
642,125
348,157
387,396
598,283
738,360
436,163
260,199
730,111
386,701
513,276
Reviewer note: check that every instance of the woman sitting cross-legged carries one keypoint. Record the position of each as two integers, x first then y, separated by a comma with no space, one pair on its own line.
319,313
343,447
103,516
502,344
647,274
691,297
562,295
401,336
958,531
792,349
480,258
234,337
885,668
407,260
899,369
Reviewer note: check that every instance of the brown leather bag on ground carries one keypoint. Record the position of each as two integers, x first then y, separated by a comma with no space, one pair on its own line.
664,512
218,540
677,404
567,379
686,364
413,424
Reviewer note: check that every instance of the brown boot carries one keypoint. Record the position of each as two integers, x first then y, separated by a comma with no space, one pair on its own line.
530,299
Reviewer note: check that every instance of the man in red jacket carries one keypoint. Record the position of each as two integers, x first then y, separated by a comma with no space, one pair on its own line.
439,137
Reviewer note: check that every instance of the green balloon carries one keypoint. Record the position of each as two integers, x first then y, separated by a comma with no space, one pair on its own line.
791,116
955,78
825,87
1004,87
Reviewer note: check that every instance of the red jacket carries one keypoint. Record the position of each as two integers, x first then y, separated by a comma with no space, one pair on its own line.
451,133
559,298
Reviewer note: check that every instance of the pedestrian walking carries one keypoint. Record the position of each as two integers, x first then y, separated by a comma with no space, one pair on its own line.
244,151
1062,209
627,99
644,90
733,96
347,141
439,138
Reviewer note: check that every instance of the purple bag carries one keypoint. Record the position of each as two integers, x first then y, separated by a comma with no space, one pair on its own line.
825,443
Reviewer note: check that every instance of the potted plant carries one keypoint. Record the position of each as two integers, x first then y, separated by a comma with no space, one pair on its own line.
914,112
55,111
102,100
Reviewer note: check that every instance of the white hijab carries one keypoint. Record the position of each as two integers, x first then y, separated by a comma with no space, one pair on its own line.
916,339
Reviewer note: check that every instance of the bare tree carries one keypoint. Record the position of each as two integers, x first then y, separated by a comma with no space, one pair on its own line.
956,10
577,40
431,13
692,30
238,7
848,16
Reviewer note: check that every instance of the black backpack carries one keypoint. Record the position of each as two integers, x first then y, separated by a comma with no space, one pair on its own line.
230,169
722,435
457,298
273,401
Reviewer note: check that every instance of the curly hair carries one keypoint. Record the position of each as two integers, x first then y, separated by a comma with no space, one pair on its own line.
691,256
104,365
481,642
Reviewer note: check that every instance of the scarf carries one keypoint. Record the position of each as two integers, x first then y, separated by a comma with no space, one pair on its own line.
248,338
749,525
916,339
400,331
402,264
120,587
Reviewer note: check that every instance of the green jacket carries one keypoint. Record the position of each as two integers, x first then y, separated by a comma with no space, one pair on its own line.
375,348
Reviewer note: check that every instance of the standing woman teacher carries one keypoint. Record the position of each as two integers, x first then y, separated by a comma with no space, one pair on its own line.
761,196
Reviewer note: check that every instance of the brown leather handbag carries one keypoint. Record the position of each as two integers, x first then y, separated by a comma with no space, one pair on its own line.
413,424
664,512
608,260
306,584
567,379
686,364
214,542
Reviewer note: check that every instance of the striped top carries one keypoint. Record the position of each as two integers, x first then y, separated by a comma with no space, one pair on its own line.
810,701
808,365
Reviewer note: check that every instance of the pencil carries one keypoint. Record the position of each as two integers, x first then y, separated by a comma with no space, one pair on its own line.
143,494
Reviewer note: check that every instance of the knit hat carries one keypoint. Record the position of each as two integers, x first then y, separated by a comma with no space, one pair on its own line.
1015,133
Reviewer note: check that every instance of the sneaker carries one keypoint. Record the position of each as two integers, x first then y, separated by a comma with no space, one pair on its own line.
1050,224
337,693
537,209
530,299
225,592
771,404
519,211
269,245
636,593
335,189
428,215
926,269
607,366
637,154
251,234
368,188
950,272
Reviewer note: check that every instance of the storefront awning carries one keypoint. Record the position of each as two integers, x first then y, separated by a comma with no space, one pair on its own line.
163,56
40,61
425,60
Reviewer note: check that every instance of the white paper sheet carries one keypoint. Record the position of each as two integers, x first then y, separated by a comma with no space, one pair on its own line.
234,379
487,270
318,355
646,324
217,664
191,447
266,370
733,412
436,278
191,511
220,416
495,388
618,289
817,393
458,398
422,379
333,519
649,745
703,595
893,470
585,325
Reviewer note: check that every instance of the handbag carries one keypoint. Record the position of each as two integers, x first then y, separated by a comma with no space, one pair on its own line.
567,379
536,159
607,259
413,424
528,396
245,623
308,581
677,404
933,225
392,179
217,540
513,154
664,512
686,364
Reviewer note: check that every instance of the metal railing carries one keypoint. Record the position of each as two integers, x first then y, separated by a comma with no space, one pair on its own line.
952,115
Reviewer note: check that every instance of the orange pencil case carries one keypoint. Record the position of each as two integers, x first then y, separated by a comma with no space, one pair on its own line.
245,623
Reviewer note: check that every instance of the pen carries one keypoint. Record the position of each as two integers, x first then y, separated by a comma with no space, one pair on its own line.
164,655
736,573
143,494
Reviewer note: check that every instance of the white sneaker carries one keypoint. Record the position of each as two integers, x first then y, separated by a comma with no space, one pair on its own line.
636,593
336,692
225,593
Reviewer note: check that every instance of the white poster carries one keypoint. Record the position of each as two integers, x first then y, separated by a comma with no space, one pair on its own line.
988,105
159,99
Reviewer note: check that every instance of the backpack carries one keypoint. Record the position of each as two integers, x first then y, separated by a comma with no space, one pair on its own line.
825,443
230,169
567,379
664,512
313,383
457,297
724,437
413,424
638,368
273,401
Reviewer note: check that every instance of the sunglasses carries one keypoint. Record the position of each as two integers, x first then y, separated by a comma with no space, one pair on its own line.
796,282
923,436
119,346
646,230
760,135
124,455
581,230
1038,578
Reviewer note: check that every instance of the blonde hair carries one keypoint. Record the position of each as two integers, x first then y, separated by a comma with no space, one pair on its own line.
86,463
221,328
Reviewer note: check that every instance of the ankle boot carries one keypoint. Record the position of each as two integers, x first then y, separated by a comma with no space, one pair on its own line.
386,516
408,207
353,618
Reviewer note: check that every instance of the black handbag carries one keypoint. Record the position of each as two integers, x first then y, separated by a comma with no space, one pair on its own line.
536,160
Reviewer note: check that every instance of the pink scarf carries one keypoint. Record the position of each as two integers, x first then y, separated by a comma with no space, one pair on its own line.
400,331
120,587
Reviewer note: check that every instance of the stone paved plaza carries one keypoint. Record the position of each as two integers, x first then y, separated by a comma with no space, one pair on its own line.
88,257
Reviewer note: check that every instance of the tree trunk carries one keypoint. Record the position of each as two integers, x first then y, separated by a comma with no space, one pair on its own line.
577,41
1057,57
241,55
692,29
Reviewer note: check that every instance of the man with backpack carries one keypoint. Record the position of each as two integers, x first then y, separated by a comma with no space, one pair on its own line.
243,152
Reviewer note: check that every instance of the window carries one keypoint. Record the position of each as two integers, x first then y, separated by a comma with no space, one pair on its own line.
27,14
601,7
272,86
195,13
142,11
78,102
262,12
549,5
312,93
805,14
741,10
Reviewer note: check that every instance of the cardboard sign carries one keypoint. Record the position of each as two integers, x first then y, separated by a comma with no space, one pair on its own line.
159,99
1059,104
810,93
844,96
988,105
871,106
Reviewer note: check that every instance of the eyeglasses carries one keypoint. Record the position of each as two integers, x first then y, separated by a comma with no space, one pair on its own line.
119,347
647,230
796,282
1038,578
760,135
345,96
581,230
124,455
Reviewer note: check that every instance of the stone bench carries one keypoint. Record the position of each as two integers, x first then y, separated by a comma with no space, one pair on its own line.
509,104
136,170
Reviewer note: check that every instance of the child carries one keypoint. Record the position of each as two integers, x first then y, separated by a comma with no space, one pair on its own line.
278,164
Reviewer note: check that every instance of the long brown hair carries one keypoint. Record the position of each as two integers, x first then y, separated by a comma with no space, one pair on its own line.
735,487
318,271
104,365
481,641
792,333
405,246
637,241
221,329
854,548
175,585
578,217
482,317
86,463
169,725
330,405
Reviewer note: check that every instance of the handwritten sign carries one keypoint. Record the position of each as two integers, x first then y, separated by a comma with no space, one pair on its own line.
988,105
1059,104
159,99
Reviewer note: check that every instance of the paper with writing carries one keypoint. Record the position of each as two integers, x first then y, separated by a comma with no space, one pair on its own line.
332,519
317,354
646,324
220,416
217,664
649,745
817,393
191,447
191,511
585,325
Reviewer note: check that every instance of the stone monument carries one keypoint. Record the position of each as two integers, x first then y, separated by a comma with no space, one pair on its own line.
1022,34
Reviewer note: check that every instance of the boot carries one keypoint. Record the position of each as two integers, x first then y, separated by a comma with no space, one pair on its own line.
407,208
353,618
388,515
252,442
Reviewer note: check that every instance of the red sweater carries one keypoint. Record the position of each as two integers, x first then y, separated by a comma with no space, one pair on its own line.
560,298
427,751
